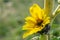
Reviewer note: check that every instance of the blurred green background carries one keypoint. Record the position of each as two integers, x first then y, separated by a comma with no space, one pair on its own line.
12,14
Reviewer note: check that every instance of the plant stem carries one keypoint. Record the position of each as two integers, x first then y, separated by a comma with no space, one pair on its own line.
57,11
48,5
44,37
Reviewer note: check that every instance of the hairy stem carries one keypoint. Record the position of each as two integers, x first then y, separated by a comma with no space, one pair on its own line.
48,6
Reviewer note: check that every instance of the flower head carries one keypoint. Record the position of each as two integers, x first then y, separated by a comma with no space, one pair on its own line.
36,22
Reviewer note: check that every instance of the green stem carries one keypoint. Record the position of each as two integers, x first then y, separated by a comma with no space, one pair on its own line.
57,11
44,37
48,5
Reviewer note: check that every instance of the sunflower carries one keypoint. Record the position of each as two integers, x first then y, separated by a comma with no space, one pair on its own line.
36,22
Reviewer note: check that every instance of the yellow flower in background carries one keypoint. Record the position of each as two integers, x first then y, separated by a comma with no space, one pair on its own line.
36,22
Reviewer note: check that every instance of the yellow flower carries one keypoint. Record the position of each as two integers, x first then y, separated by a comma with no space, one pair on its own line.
36,22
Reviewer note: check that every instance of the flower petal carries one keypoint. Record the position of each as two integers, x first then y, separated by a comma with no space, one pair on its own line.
28,33
30,20
35,11
32,31
44,15
46,21
28,26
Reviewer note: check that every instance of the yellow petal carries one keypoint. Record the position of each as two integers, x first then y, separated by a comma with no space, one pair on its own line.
28,26
32,31
30,20
44,15
47,20
28,33
36,11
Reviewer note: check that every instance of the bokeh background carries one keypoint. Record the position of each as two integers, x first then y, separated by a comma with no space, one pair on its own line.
12,14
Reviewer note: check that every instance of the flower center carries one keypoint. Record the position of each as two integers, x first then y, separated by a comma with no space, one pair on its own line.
39,22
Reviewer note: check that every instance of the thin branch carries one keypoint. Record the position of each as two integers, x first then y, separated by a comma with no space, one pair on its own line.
57,10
